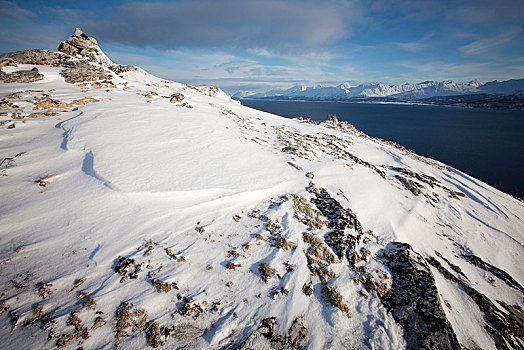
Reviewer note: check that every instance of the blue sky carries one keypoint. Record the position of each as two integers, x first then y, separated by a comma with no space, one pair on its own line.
261,45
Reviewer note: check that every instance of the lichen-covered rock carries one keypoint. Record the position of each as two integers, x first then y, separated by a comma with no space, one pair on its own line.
47,103
120,68
123,264
39,57
83,72
7,62
42,114
21,76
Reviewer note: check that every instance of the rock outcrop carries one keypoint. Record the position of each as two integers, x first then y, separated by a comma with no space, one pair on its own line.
506,329
40,57
266,336
21,76
82,72
414,301
83,46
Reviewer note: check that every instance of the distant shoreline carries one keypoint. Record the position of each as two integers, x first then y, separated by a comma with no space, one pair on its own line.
507,102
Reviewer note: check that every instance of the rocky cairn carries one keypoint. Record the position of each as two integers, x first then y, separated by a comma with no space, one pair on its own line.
83,46
79,54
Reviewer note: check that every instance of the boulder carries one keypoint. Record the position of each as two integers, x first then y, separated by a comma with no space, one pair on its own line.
333,119
178,97
78,32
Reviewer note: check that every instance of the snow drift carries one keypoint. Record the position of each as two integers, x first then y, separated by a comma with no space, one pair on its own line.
141,212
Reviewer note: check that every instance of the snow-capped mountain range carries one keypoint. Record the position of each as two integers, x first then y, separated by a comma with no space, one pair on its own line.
421,90
139,212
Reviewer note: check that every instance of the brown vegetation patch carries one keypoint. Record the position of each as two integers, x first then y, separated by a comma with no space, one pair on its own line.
266,272
129,317
333,296
305,213
163,286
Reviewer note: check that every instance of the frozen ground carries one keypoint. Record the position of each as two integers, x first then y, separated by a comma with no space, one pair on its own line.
132,221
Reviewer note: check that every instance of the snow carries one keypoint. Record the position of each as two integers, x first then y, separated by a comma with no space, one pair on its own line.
131,169
424,89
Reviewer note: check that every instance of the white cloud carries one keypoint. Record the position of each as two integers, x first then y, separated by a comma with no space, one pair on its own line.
488,44
269,26
11,9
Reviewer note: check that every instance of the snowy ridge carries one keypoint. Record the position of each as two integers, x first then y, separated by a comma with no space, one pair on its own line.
142,212
424,89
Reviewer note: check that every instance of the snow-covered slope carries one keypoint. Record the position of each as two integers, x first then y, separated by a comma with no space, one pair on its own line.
141,212
503,87
424,89
242,94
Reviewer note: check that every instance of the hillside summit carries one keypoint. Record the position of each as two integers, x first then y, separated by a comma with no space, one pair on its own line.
139,212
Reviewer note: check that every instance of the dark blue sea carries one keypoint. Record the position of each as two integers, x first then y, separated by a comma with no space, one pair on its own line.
485,143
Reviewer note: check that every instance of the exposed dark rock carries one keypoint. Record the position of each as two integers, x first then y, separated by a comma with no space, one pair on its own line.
412,186
515,319
505,330
503,275
454,194
430,180
267,336
333,121
416,187
123,264
455,268
289,149
120,68
39,57
79,33
340,219
177,97
83,72
366,164
332,118
414,302
266,272
187,332
296,166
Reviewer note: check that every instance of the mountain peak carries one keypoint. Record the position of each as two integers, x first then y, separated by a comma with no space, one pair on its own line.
81,45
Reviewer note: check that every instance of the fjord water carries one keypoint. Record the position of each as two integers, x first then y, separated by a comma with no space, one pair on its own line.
485,143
